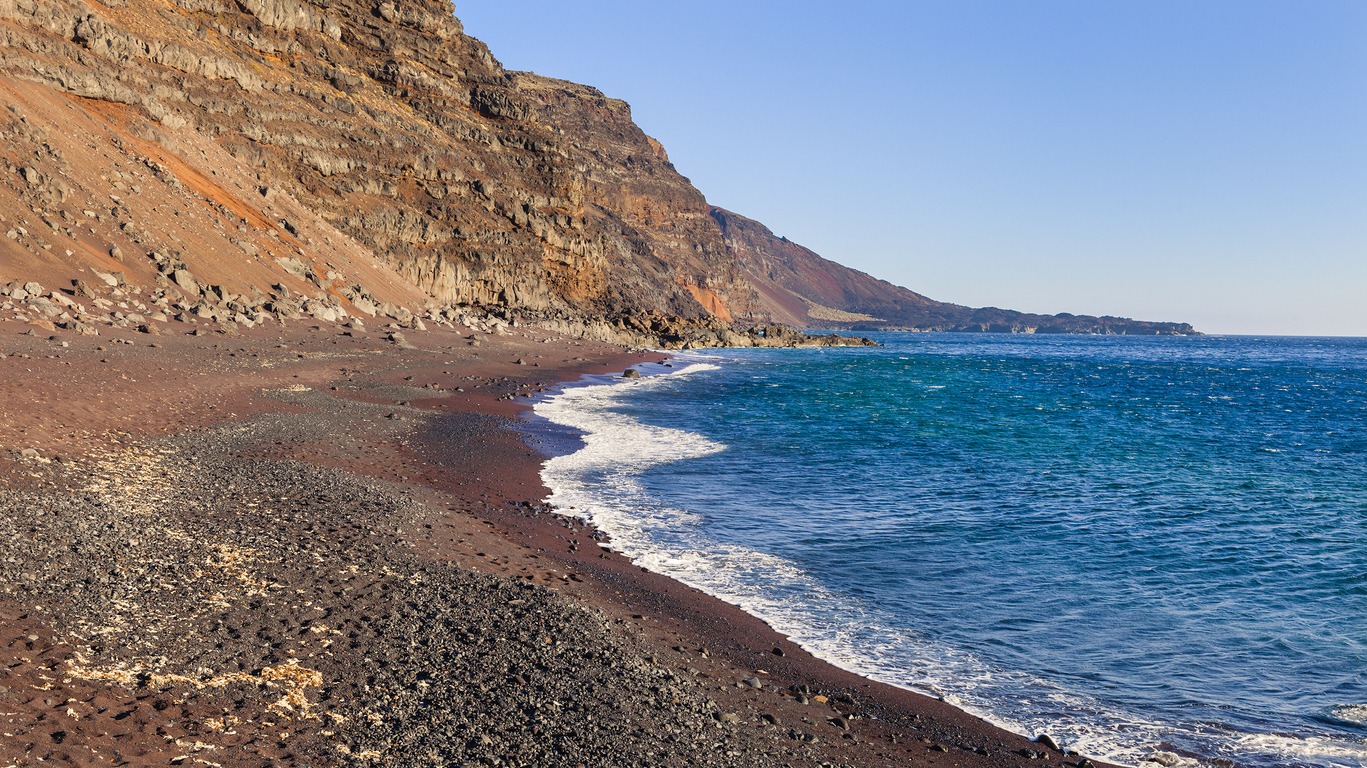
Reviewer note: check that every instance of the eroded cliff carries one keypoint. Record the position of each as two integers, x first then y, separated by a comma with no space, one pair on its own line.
370,156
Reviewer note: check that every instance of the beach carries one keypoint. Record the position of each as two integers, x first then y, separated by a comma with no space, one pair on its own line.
314,546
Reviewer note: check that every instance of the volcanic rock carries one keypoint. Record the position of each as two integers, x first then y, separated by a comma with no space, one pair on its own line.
379,155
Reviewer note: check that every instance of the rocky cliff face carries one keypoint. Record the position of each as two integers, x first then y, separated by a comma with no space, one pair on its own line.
368,156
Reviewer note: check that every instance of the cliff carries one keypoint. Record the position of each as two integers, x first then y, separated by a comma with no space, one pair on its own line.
266,159
801,288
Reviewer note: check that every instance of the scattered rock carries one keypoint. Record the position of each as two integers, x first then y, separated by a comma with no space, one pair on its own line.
1048,741
185,281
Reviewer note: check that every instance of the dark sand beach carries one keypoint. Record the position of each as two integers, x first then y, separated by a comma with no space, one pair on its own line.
304,547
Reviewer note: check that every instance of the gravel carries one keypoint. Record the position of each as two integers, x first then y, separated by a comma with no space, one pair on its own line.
279,595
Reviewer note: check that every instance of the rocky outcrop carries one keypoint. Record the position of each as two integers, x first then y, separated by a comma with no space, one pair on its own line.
264,142
663,331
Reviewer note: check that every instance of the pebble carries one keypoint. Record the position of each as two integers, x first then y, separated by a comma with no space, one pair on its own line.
425,647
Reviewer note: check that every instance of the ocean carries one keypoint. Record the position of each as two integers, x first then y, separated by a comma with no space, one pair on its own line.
1151,548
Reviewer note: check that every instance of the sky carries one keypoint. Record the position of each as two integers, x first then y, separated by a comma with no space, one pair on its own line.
1185,160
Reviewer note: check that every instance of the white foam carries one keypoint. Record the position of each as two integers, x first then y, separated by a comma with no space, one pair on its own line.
1322,750
1351,713
600,482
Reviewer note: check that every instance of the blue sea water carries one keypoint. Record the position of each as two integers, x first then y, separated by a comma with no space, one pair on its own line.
1150,548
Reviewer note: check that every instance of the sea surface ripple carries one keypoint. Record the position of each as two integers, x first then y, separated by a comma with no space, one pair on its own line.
1151,548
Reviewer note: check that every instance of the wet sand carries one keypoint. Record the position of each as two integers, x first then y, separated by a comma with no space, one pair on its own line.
311,548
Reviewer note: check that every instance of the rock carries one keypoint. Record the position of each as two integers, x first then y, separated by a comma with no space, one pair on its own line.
115,253
631,373
185,281
1047,741
752,682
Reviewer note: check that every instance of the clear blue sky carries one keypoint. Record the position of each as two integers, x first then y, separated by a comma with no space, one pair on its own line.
1197,160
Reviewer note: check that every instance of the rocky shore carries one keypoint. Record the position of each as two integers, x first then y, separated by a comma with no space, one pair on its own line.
274,279
316,547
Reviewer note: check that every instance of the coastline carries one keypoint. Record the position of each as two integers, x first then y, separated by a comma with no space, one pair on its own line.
426,428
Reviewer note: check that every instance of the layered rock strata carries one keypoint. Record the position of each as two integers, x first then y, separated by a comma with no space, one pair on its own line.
362,154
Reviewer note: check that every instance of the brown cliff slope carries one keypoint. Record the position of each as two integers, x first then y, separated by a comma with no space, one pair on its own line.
369,155
806,290
371,141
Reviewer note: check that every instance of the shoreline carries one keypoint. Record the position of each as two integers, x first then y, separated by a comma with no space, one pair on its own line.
564,432
431,429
